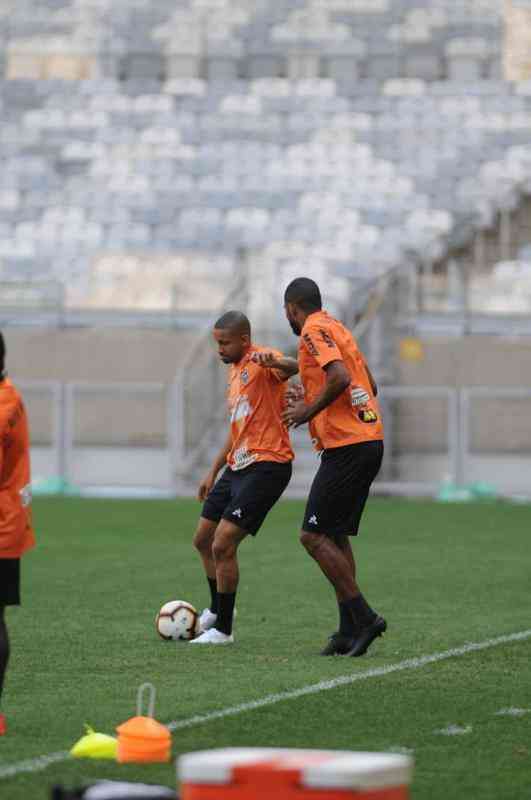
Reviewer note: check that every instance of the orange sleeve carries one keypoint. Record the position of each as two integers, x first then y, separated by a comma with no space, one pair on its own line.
321,345
3,435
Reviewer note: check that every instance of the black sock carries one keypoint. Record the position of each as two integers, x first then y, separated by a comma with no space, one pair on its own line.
361,610
213,595
347,623
226,602
4,649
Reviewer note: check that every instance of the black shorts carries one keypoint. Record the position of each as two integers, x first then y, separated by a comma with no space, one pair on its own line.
246,496
9,581
340,488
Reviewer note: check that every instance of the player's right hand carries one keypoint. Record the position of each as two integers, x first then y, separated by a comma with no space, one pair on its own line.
295,393
267,360
205,486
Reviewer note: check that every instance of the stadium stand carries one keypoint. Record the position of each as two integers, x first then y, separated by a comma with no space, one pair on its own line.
220,127
98,171
154,154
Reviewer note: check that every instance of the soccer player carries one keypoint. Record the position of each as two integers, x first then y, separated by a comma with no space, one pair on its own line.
345,425
257,455
16,532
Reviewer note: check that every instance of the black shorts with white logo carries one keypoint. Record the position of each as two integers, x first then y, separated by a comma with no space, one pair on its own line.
340,488
9,581
246,496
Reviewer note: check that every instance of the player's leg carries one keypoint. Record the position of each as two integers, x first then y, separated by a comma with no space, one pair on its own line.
9,596
4,658
368,458
226,542
335,503
203,541
332,562
213,508
321,514
337,568
255,491
358,608
227,539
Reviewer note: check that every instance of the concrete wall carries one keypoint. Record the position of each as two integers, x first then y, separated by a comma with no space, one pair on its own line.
468,361
101,417
496,425
96,354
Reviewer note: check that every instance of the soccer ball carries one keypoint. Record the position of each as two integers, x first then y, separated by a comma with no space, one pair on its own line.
177,620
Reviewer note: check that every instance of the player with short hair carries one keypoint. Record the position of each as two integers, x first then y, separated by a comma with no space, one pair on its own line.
257,456
345,425
16,532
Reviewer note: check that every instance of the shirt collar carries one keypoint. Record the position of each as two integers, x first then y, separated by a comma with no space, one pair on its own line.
246,358
312,317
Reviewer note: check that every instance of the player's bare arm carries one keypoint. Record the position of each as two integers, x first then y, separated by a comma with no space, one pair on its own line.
285,365
210,478
337,380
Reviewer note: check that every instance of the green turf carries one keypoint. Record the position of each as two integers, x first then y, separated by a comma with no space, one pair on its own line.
442,575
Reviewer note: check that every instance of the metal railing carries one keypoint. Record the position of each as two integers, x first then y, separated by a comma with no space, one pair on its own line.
110,437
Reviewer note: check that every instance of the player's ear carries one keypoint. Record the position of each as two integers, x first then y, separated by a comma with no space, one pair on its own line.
291,310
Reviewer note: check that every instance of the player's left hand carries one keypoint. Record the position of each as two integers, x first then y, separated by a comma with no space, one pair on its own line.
295,414
265,359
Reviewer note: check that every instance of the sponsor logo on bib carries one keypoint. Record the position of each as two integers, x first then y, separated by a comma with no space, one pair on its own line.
241,409
359,396
242,458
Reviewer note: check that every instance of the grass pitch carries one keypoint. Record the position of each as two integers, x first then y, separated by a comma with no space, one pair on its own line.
442,575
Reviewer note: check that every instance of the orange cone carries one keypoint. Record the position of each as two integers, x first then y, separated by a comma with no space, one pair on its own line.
142,739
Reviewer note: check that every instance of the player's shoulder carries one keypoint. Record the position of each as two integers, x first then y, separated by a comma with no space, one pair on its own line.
9,394
10,400
319,321
321,329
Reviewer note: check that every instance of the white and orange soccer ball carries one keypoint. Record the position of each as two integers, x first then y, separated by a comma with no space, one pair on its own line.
177,620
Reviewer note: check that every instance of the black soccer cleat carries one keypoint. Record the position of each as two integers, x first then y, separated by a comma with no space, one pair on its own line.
338,645
363,640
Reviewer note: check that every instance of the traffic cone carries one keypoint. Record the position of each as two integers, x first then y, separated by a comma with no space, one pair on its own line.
142,739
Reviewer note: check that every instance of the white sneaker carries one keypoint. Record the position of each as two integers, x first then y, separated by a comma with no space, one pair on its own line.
207,620
213,636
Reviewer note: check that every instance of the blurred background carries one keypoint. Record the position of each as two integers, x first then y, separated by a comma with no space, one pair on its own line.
163,160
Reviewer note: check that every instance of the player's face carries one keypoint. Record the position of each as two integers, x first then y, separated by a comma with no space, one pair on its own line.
291,317
231,345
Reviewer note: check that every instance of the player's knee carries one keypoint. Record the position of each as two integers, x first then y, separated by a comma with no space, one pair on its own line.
223,548
311,541
202,541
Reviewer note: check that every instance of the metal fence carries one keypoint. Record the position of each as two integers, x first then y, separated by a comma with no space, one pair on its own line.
111,437
495,436
422,445
133,438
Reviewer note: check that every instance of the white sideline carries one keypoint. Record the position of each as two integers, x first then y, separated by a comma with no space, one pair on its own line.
41,762
345,680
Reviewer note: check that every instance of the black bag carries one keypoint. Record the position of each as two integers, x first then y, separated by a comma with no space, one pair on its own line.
115,790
